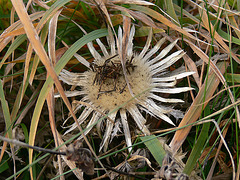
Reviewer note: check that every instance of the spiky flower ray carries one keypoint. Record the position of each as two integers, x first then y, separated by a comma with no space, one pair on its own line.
105,89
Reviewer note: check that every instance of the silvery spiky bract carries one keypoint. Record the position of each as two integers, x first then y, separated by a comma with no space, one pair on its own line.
146,70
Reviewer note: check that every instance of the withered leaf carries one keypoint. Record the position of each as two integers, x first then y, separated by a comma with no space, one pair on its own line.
82,157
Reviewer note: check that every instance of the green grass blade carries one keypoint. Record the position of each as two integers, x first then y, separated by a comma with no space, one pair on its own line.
197,149
6,112
16,43
155,147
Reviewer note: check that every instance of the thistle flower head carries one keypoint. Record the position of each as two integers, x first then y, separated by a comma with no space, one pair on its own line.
104,85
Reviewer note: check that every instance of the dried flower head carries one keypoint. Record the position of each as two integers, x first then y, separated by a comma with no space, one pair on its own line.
104,86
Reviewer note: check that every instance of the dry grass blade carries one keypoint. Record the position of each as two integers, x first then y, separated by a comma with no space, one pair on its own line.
34,39
208,25
233,22
163,20
36,60
101,5
28,107
227,13
51,109
137,15
50,97
52,37
225,144
210,174
205,58
139,2
126,32
4,39
26,69
4,146
8,69
17,32
195,109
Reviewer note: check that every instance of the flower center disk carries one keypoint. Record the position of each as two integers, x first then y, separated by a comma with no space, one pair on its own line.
107,87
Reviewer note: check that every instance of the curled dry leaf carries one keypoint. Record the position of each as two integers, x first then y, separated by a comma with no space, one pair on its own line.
82,157
141,158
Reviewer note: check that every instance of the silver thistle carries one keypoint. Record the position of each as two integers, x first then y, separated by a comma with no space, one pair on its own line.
107,92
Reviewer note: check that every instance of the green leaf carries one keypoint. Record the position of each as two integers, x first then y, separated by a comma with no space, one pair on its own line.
197,148
171,10
4,165
227,37
232,77
155,147
144,31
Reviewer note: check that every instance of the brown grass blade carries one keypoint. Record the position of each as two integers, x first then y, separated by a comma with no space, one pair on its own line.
52,37
14,26
228,13
26,68
28,107
139,2
163,20
17,32
51,109
8,69
195,109
4,146
50,97
208,25
36,60
205,58
233,21
101,4
126,32
38,47
238,171
137,15
210,174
